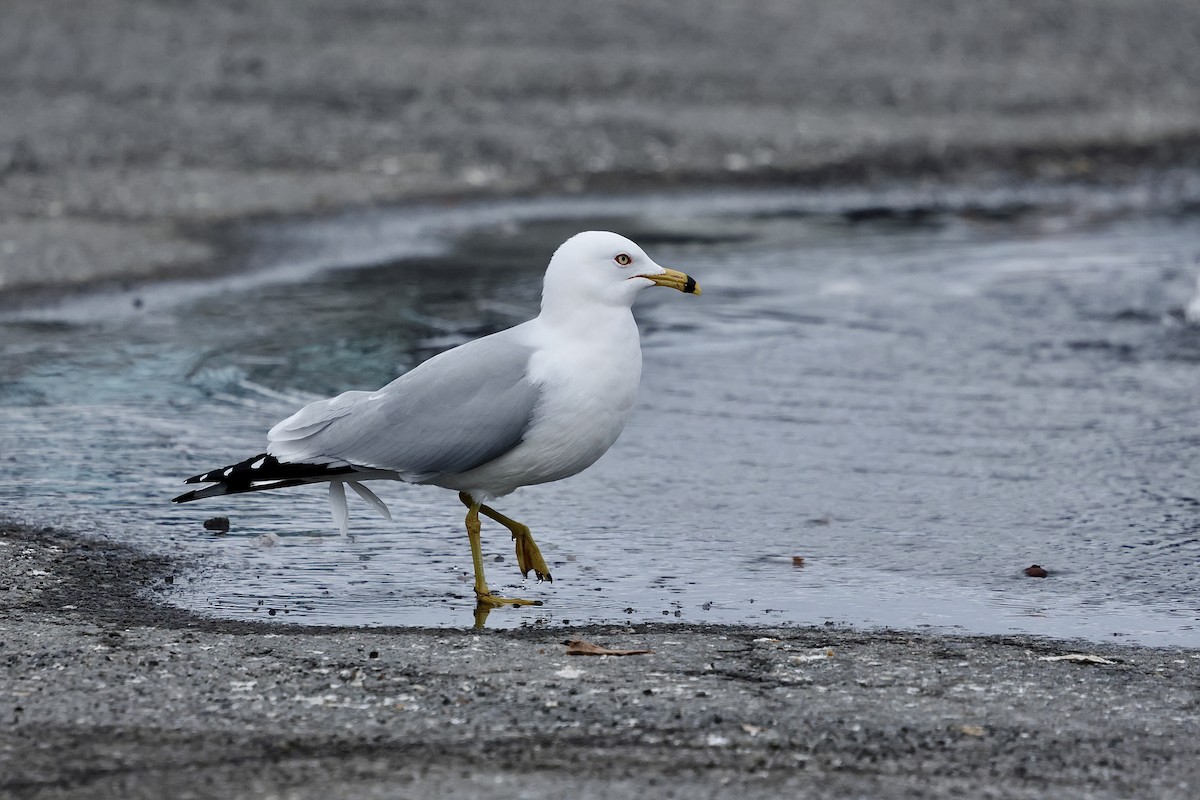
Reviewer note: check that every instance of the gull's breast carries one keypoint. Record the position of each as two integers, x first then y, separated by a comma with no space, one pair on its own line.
588,390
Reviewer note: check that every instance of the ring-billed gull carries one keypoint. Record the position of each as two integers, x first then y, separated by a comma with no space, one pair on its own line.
531,404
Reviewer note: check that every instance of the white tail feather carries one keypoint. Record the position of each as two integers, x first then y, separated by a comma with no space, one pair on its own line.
372,498
337,506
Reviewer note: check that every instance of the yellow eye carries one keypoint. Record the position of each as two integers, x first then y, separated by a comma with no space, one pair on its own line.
623,259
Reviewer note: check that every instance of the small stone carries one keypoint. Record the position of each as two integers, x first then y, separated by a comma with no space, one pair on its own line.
218,524
1036,572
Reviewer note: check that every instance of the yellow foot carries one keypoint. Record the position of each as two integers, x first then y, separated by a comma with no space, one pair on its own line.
491,600
486,601
529,557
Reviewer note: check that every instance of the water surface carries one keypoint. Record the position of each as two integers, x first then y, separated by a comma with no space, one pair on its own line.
918,401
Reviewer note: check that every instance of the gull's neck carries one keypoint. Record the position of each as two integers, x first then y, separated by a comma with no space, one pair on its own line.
586,319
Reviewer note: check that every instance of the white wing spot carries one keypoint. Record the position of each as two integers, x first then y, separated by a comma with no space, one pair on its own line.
228,471
258,463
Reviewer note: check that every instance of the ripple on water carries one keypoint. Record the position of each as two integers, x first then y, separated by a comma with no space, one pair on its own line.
877,419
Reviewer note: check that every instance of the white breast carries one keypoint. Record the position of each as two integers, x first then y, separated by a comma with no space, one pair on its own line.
589,384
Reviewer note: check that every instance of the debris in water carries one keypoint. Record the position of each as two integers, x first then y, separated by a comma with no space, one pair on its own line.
798,561
1036,572
218,524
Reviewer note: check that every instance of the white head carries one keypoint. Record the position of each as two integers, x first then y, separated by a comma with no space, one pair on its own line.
599,267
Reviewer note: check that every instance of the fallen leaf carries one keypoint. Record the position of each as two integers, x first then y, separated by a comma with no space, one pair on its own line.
581,647
797,561
1079,658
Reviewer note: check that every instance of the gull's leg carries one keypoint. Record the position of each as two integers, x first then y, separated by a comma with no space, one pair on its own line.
528,555
483,595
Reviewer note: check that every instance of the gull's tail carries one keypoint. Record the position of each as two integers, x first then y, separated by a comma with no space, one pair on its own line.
264,472
257,474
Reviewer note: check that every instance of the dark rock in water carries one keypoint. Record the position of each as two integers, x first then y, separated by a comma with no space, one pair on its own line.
1036,572
218,524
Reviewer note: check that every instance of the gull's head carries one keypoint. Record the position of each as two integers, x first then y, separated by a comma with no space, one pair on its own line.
605,268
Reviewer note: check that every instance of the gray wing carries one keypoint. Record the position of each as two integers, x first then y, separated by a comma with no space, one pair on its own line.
454,412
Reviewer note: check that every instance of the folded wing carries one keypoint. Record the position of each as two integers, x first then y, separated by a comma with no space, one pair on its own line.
454,412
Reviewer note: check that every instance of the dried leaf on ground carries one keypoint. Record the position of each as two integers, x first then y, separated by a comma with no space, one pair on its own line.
1081,658
582,647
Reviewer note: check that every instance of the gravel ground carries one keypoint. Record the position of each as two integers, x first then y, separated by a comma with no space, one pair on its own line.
107,692
133,133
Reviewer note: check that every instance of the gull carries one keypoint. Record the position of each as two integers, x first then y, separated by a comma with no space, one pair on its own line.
535,403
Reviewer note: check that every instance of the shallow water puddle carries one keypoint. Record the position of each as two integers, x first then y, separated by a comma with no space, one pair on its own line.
875,418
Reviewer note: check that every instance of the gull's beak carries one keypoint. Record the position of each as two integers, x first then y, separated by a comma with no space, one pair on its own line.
674,279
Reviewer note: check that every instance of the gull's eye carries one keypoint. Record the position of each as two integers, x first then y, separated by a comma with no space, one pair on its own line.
623,260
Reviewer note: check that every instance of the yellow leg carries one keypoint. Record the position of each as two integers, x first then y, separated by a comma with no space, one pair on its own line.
483,595
529,557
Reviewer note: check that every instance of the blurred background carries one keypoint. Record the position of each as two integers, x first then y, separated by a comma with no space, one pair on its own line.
128,128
